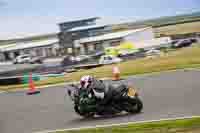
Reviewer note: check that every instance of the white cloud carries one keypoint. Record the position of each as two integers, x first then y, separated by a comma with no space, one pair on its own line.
24,27
19,27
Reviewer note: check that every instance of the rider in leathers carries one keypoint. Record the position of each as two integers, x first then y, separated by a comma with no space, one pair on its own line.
97,89
106,95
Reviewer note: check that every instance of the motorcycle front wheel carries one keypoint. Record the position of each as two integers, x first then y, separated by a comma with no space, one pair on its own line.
85,115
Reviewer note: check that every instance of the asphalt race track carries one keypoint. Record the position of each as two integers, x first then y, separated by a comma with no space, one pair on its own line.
166,95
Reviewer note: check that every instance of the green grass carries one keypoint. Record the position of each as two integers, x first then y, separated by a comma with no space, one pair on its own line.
173,126
183,58
185,28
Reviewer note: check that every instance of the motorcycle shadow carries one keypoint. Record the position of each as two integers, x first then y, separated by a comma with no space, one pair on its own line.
99,118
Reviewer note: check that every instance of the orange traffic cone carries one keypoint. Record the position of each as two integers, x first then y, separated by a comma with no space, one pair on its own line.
116,73
32,89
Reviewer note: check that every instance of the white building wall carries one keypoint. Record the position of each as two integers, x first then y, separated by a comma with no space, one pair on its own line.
11,55
2,57
43,52
33,52
90,48
53,51
157,42
146,39
21,52
106,44
143,35
82,50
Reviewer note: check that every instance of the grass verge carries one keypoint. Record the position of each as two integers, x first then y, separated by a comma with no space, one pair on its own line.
185,28
183,58
173,126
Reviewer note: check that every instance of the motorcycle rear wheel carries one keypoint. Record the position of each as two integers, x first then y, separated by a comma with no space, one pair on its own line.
88,115
135,106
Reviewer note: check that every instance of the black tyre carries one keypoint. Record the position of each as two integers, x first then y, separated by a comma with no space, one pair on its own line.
139,105
89,115
76,109
136,106
85,115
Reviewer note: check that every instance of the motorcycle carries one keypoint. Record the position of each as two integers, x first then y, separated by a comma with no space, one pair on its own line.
124,98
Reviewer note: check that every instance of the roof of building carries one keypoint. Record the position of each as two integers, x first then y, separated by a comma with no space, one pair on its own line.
79,20
2,47
110,36
18,46
86,27
99,23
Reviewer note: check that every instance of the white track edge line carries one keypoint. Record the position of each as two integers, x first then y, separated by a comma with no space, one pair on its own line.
2,92
120,124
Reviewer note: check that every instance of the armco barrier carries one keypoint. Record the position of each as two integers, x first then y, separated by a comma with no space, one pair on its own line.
18,70
17,79
25,78
10,80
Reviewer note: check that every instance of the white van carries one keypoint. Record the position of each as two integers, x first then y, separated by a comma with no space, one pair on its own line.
109,59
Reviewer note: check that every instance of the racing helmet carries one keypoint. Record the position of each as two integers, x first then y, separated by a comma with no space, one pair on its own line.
85,81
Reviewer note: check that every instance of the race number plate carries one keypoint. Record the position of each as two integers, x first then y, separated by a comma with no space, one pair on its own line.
131,92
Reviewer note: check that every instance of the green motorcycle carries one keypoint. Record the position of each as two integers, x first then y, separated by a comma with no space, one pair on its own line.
124,99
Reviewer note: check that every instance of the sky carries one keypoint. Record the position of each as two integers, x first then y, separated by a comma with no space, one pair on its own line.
23,18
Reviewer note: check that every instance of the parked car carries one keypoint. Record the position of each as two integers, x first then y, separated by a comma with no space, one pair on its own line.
68,61
109,59
124,53
182,43
26,58
193,40
22,59
97,54
153,52
81,57
38,60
